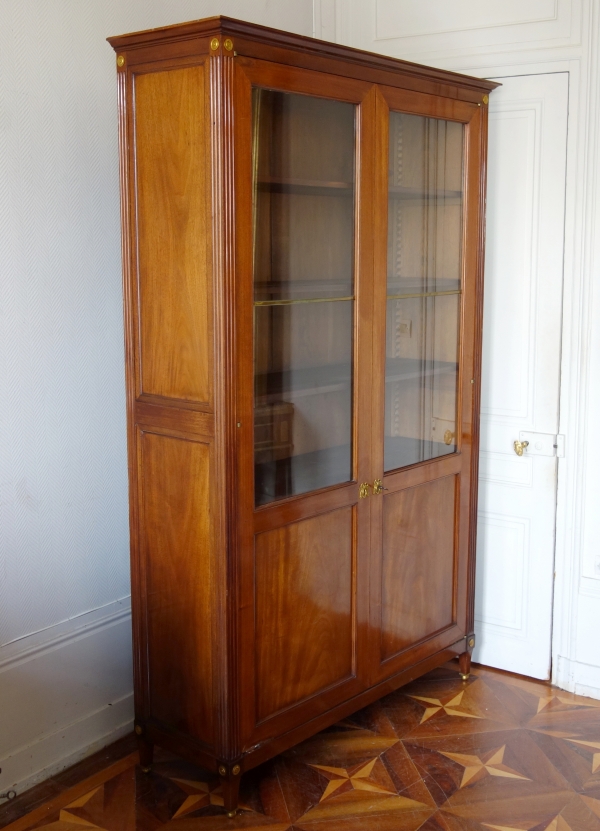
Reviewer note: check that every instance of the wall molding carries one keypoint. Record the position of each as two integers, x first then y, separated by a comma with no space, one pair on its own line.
62,634
458,36
577,677
86,735
515,14
75,686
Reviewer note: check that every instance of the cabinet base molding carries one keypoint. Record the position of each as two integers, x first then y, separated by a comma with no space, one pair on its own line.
184,746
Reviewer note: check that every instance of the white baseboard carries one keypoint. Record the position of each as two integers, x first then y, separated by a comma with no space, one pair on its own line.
67,746
64,694
582,679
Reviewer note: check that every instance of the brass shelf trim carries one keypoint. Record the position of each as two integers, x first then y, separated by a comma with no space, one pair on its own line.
308,300
424,294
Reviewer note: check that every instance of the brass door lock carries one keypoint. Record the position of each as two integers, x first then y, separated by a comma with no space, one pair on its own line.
377,488
520,447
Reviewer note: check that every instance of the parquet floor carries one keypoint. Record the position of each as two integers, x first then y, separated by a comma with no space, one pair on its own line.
497,752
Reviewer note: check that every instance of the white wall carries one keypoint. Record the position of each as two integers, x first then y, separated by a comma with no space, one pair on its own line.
512,38
65,652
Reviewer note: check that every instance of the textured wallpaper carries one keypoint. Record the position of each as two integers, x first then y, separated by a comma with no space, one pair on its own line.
63,477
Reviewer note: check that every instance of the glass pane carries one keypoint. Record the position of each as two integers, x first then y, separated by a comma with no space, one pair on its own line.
303,292
425,209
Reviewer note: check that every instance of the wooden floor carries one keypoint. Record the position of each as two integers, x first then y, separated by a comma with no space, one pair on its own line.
497,752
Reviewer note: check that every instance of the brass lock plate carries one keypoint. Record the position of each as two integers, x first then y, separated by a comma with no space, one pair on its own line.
542,444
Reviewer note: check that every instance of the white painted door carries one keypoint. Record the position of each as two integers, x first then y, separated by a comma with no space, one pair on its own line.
521,372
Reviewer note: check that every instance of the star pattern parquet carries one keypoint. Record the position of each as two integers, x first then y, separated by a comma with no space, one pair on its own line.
496,752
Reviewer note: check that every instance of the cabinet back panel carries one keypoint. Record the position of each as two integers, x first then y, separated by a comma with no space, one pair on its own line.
417,590
304,609
174,231
176,554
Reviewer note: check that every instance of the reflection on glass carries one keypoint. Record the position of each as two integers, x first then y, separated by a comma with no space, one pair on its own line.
303,292
420,379
425,208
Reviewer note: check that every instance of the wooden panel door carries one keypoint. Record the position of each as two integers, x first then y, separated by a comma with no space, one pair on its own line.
426,327
304,150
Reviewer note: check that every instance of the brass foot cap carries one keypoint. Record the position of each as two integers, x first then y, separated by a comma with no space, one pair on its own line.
231,813
465,677
146,770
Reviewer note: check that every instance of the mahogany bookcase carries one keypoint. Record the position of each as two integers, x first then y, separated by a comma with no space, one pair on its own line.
303,229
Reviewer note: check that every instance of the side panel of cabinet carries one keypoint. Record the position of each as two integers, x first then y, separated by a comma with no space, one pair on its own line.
173,235
176,563
175,511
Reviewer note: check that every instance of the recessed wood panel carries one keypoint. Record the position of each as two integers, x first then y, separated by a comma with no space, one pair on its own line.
177,552
174,232
417,591
304,609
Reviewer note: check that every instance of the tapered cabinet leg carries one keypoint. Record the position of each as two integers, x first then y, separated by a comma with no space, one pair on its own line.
464,665
230,786
146,751
464,659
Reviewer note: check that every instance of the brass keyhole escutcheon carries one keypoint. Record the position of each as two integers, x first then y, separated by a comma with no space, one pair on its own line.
378,486
363,491
448,437
520,447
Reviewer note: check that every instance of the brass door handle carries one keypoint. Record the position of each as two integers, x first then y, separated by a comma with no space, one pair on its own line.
520,447
378,486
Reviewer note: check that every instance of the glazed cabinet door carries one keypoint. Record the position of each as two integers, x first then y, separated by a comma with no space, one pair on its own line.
304,154
426,331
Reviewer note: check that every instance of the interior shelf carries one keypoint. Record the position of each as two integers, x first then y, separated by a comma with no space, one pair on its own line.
302,290
400,192
320,379
309,187
308,381
401,451
308,471
417,286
